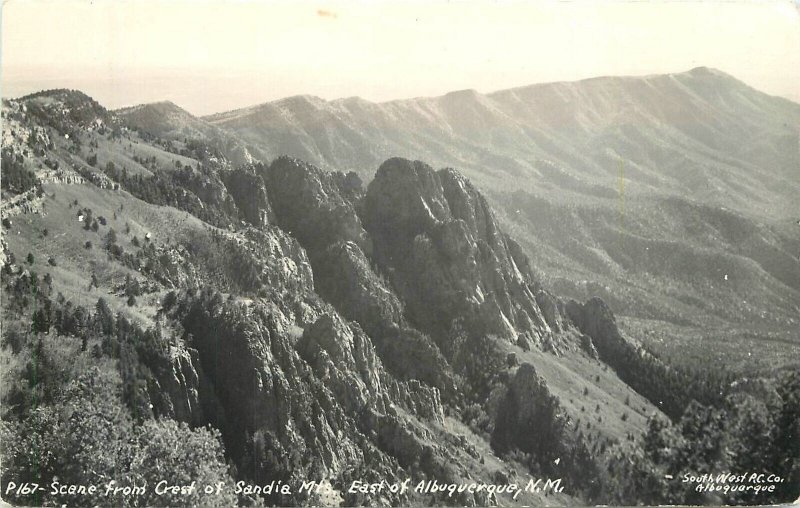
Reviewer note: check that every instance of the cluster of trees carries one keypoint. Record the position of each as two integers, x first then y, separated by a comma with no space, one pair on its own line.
669,387
30,300
198,150
171,188
751,433
81,406
132,289
229,266
79,111
16,178
86,436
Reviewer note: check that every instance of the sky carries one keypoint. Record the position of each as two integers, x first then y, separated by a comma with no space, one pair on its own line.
216,55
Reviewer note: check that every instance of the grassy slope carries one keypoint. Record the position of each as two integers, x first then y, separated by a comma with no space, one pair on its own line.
66,239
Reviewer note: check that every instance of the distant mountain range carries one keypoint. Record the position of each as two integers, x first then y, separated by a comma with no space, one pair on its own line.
674,197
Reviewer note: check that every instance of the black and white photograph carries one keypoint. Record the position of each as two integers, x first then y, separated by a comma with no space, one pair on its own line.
400,253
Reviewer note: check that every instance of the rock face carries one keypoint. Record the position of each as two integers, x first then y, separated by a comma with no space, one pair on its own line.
438,242
551,310
297,393
308,204
345,360
209,188
319,209
248,191
596,320
178,387
344,276
359,293
529,418
265,387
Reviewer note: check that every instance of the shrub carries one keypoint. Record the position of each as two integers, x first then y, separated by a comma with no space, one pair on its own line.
167,448
111,238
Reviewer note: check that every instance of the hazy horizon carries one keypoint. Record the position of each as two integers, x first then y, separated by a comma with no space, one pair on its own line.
218,56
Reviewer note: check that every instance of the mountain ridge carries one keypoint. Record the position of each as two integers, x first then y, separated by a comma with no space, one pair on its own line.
695,70
314,98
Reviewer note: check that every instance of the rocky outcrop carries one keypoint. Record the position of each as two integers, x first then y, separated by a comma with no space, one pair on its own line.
588,347
637,367
248,191
346,278
596,320
437,240
177,387
551,310
344,359
420,399
267,389
208,188
318,209
308,204
323,394
530,418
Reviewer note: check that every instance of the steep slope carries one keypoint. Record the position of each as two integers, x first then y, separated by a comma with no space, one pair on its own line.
646,191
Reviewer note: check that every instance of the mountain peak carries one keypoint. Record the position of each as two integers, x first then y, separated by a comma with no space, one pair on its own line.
161,107
303,99
73,105
467,92
710,74
705,71
59,94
